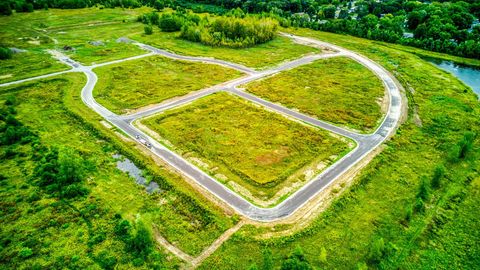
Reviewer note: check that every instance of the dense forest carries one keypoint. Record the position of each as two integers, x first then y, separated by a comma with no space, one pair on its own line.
443,26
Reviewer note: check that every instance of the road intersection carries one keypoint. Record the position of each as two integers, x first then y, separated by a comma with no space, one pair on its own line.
366,143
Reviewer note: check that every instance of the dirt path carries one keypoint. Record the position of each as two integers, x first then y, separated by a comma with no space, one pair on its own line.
173,249
192,262
216,244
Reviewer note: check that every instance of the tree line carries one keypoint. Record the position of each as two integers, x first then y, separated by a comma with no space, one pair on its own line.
442,26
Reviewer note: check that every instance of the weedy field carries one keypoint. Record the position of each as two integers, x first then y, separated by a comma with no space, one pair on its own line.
412,206
37,224
242,144
133,84
337,90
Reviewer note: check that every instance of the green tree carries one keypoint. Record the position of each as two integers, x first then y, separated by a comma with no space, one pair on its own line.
142,243
296,261
5,8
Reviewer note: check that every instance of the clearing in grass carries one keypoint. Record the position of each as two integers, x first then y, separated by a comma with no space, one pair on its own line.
134,84
338,90
255,152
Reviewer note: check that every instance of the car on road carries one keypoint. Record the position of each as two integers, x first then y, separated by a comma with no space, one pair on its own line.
143,141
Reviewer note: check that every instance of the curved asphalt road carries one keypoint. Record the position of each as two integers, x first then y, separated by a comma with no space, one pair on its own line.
365,143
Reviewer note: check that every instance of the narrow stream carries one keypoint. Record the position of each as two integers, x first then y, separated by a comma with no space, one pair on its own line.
470,75
125,165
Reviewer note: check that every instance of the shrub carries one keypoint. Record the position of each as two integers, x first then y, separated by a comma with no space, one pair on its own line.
296,261
148,29
5,8
25,252
5,53
170,23
438,174
423,190
106,261
142,243
377,250
123,229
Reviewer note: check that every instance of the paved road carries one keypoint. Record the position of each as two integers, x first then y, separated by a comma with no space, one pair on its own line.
365,143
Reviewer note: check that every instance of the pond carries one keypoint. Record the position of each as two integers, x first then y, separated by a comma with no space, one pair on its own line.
470,75
125,165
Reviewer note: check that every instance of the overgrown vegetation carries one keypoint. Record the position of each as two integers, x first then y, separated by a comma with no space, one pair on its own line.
65,229
133,84
242,144
443,26
376,224
235,30
5,53
338,90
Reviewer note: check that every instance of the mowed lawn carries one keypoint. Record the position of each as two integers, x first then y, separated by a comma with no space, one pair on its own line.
238,141
133,84
261,56
337,90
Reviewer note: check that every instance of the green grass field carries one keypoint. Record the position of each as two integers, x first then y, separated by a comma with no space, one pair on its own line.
337,90
376,207
83,38
33,219
259,57
237,141
133,84
28,64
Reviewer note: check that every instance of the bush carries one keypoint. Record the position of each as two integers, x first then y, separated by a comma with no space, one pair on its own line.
231,32
5,8
377,250
148,29
142,243
25,252
5,53
296,261
438,174
170,23
423,190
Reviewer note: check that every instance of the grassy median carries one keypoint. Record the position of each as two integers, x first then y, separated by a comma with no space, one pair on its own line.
133,84
239,142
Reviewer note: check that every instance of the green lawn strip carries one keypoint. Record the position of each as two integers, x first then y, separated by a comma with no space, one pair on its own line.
376,206
237,141
133,84
262,56
337,90
55,110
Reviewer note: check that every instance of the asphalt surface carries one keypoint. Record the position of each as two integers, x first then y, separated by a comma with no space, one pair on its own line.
365,142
